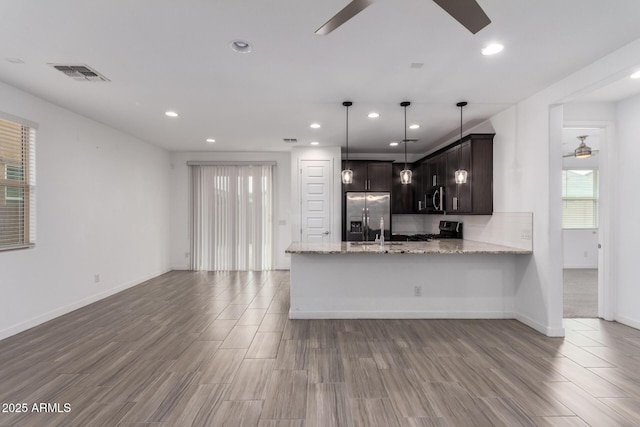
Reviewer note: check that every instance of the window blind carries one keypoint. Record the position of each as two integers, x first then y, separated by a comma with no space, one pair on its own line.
232,217
17,186
580,199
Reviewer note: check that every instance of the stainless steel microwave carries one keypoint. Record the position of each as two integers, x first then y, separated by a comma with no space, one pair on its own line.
433,200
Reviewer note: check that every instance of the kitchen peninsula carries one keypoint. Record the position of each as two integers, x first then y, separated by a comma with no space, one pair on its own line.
437,279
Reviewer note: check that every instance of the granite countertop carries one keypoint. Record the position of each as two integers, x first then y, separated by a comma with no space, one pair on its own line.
445,246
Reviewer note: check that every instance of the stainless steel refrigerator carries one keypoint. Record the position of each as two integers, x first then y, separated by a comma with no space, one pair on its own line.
363,213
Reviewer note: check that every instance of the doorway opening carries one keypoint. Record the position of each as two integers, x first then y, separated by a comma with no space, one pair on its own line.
581,221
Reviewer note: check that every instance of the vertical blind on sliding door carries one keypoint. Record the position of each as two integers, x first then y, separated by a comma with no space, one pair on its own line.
232,217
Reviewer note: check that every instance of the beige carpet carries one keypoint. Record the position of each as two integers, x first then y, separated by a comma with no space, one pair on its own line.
580,292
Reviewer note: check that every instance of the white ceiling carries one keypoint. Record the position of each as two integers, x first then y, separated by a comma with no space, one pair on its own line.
167,54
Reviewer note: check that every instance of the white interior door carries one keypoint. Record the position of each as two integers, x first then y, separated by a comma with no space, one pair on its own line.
315,200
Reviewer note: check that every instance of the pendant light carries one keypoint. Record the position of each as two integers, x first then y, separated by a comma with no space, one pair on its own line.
347,174
460,174
405,174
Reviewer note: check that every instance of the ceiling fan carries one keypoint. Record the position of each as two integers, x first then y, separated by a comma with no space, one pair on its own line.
583,151
467,12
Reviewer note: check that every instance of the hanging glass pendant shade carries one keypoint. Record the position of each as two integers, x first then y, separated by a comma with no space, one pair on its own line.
347,174
460,175
405,174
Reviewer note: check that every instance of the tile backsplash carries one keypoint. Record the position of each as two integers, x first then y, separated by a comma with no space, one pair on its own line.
514,229
408,224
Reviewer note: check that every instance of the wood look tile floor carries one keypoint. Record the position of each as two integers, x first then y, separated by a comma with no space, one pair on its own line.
217,349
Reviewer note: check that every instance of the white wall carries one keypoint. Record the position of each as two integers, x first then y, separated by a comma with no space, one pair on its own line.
102,208
179,188
626,227
527,168
580,248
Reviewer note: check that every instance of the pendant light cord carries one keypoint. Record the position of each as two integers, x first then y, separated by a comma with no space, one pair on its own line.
347,104
347,137
461,105
405,104
405,138
460,149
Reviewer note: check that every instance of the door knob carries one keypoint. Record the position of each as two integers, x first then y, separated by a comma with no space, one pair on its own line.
325,233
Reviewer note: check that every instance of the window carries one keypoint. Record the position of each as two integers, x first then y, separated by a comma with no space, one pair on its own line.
17,185
580,198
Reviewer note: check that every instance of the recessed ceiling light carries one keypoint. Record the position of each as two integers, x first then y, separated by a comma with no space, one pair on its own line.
393,144
211,140
414,126
315,143
492,49
240,46
636,75
373,115
171,113
314,125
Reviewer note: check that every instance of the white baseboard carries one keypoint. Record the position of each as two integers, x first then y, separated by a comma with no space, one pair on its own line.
399,315
628,321
38,320
578,266
181,267
543,329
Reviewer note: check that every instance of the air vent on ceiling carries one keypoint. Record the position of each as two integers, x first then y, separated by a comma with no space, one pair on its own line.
290,140
81,73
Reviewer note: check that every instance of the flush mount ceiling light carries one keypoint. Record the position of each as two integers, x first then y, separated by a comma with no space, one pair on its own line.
347,174
492,49
373,115
315,143
414,126
240,46
405,174
393,144
461,174
211,140
636,75
171,114
314,125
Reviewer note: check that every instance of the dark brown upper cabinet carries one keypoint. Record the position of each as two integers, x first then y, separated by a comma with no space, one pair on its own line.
403,195
369,176
474,154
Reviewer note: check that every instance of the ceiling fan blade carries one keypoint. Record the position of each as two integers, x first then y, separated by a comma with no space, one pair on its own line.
349,11
568,155
467,12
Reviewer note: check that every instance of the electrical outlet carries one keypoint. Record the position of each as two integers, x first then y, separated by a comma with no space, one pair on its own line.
586,254
96,278
526,235
186,254
417,291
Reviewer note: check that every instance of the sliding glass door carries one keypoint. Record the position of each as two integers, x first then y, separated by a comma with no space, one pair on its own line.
232,217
